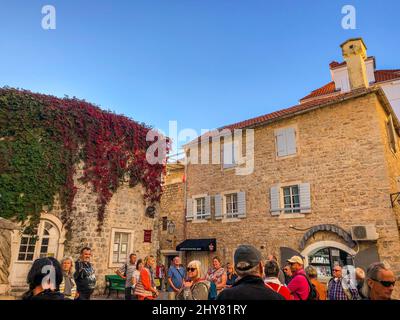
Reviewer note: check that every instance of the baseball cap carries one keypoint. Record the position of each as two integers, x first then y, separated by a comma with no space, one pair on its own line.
246,257
296,259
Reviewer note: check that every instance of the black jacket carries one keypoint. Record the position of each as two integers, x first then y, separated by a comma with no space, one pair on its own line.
45,295
249,288
84,276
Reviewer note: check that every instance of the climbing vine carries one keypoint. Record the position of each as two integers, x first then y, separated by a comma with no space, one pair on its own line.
44,138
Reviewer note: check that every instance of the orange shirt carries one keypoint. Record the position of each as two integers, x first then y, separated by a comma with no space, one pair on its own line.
321,289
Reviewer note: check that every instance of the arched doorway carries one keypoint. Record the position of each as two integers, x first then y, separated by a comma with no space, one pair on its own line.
324,255
47,242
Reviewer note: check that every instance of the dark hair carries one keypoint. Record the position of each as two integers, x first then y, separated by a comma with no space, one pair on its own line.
218,259
85,248
271,268
137,263
36,275
131,255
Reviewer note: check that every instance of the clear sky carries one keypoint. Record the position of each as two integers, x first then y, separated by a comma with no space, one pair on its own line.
203,63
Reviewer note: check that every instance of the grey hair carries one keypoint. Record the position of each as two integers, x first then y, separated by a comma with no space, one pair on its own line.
71,271
255,271
372,273
311,272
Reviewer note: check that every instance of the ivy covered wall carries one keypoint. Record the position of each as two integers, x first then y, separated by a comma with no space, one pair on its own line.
42,138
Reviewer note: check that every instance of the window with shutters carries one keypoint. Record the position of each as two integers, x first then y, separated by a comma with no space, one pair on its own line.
200,208
285,142
391,134
291,199
231,205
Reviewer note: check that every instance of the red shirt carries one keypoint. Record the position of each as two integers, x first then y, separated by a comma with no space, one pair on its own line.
281,289
298,286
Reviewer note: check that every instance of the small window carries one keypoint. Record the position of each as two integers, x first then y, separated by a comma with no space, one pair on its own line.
164,223
230,150
231,207
291,199
27,248
120,248
200,208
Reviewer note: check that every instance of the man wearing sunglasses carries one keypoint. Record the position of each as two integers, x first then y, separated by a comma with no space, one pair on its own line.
338,289
380,281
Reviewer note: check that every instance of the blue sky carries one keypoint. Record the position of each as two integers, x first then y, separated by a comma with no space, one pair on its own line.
203,63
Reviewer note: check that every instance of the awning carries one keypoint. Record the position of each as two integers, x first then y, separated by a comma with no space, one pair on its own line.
197,245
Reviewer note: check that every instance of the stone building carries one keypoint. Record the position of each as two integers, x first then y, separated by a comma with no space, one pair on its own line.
172,213
127,227
325,172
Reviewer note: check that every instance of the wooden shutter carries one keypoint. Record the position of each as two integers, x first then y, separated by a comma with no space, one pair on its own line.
241,196
228,154
290,134
208,207
275,201
305,198
189,210
218,207
280,142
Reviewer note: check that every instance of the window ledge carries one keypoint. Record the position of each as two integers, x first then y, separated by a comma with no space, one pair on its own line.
228,220
287,157
199,220
291,215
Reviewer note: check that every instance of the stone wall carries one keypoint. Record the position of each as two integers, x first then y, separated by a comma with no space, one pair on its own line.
172,207
124,213
341,153
6,228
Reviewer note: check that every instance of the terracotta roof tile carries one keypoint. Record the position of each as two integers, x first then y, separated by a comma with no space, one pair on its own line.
380,76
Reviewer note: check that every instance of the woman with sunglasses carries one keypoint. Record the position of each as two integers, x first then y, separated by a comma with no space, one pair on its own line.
379,282
195,287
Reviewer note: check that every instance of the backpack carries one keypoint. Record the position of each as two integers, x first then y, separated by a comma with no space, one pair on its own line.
313,294
212,291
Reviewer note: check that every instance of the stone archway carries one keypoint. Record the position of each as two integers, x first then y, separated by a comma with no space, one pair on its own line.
312,248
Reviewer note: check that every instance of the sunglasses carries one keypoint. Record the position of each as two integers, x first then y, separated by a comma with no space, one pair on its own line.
386,284
336,270
191,269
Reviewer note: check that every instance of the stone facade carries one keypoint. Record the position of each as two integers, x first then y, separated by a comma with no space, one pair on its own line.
125,213
342,152
6,229
173,210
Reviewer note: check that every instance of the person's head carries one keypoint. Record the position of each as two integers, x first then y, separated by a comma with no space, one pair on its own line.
149,262
272,257
311,272
296,263
139,264
217,264
287,270
67,265
271,269
177,261
229,268
337,271
379,282
360,274
42,267
86,254
194,270
248,261
132,258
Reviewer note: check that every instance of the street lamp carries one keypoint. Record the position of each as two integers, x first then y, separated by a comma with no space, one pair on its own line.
170,227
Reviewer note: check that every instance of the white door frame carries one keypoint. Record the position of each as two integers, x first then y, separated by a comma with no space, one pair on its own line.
15,244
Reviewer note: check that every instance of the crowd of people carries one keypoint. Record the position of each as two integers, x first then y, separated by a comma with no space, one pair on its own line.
248,277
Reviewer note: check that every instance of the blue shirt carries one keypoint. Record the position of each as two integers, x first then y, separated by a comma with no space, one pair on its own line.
177,276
